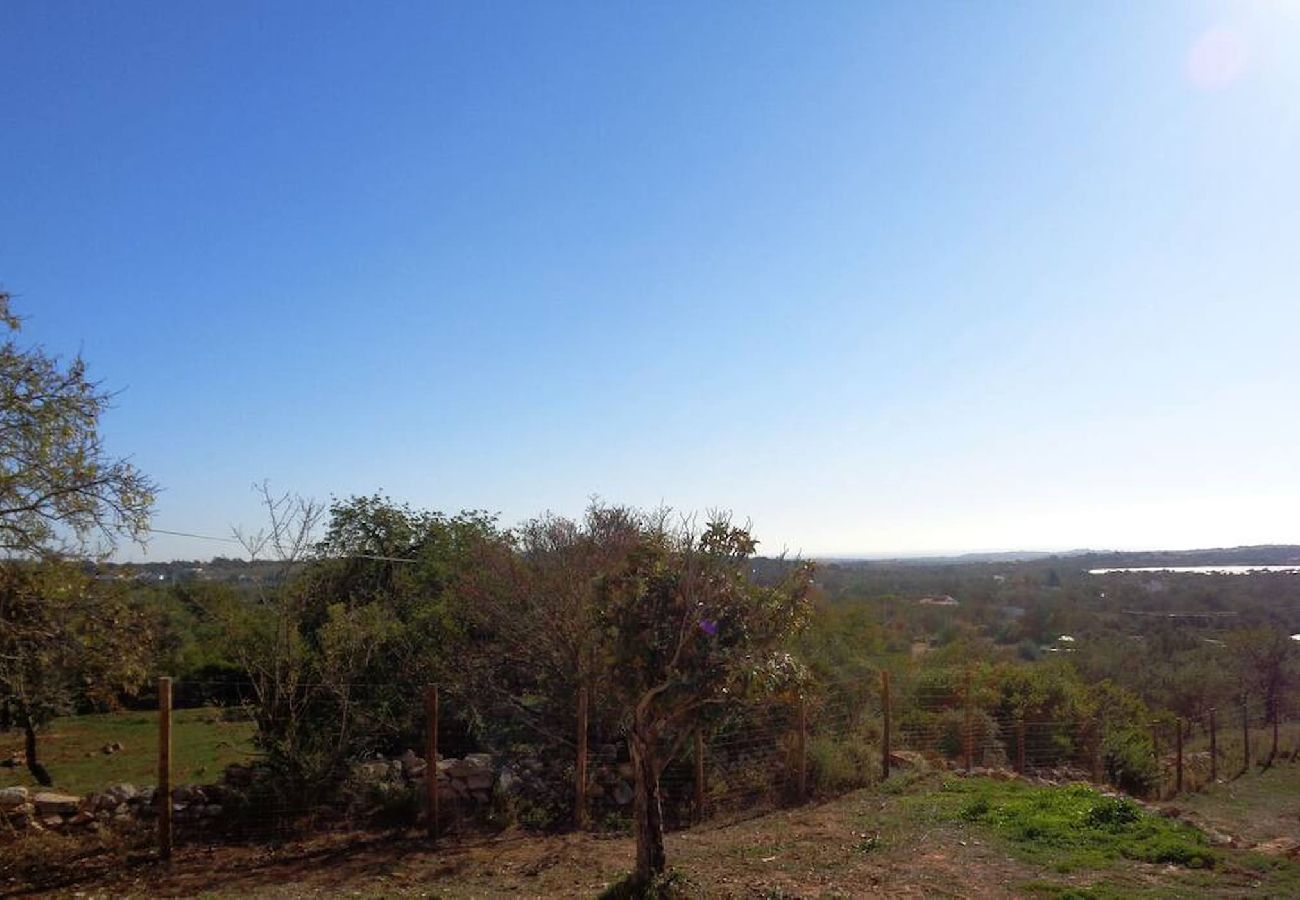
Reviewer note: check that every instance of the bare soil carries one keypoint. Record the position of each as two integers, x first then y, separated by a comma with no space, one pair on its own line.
859,845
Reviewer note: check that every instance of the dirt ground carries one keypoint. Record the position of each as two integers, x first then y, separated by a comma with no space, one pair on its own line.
855,846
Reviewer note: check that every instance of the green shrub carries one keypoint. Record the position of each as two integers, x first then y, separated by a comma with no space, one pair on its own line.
1130,761
1112,813
1076,827
837,765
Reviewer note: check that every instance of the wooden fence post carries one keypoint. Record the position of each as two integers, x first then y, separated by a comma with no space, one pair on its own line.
1214,748
1245,732
1099,739
968,739
1020,745
699,774
884,704
431,758
802,774
1178,743
164,797
580,776
1272,756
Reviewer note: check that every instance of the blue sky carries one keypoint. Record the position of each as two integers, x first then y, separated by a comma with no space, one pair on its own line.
881,278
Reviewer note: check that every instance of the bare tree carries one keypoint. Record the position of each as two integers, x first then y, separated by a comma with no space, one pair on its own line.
269,645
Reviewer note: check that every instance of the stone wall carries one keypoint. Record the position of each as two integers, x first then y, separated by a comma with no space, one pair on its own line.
469,781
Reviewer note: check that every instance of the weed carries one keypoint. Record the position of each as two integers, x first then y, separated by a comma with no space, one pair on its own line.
1076,827
670,885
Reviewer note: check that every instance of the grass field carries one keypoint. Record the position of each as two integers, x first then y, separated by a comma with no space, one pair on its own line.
203,743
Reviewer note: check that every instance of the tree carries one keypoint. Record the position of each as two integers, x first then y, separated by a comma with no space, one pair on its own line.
66,640
533,670
1268,657
689,630
60,489
352,622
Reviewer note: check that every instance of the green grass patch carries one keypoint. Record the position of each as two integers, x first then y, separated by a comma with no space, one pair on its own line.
204,741
1071,828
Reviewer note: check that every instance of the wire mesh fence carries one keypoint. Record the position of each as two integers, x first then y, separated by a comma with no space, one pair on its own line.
385,758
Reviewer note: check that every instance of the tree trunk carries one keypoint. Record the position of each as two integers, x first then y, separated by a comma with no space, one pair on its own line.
38,771
647,811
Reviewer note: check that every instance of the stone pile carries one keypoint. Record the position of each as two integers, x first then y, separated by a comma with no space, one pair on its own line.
38,810
470,780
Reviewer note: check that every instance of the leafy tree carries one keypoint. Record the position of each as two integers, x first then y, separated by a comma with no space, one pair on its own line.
355,620
689,630
529,602
60,489
66,639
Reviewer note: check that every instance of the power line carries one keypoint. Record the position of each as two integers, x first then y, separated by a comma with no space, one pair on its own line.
190,534
226,540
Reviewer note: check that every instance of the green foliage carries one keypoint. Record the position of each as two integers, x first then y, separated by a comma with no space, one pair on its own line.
1077,827
837,764
688,630
60,490
335,650
1130,761
66,641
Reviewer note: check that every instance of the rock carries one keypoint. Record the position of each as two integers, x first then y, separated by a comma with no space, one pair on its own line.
508,783
373,771
623,793
82,818
479,781
212,811
463,768
237,774
11,797
481,797
49,803
907,759
123,791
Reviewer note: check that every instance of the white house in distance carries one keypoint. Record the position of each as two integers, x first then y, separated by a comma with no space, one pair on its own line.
937,600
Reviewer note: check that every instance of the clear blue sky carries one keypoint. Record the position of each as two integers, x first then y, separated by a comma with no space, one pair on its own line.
880,277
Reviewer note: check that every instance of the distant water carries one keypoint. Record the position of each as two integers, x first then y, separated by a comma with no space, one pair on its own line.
1200,570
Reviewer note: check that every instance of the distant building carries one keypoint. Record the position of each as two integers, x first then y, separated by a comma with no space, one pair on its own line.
938,600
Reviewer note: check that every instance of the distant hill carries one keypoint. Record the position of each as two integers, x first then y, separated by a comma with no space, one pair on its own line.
1258,554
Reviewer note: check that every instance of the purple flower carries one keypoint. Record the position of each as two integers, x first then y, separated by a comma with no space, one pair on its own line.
709,627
